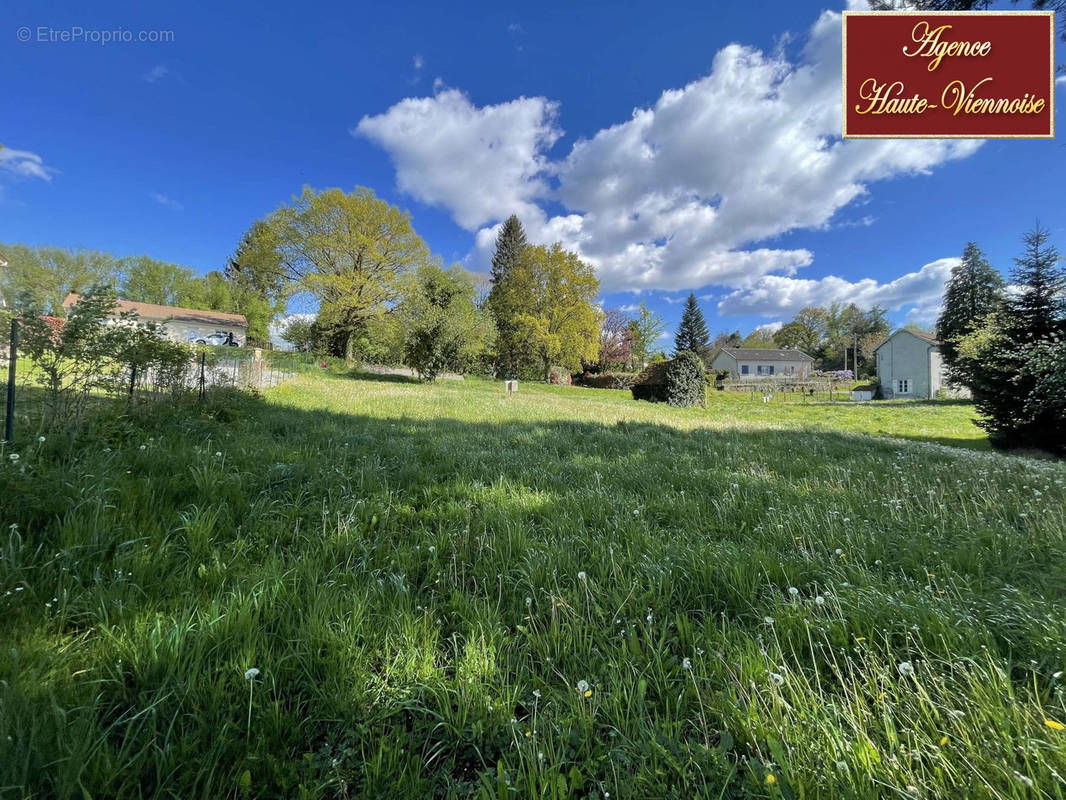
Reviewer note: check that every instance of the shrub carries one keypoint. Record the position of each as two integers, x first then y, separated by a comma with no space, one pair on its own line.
650,384
685,381
560,376
608,380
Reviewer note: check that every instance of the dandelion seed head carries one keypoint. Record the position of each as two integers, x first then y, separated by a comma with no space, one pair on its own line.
251,674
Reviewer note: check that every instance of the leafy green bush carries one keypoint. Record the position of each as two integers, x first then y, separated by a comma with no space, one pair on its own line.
608,380
650,384
685,381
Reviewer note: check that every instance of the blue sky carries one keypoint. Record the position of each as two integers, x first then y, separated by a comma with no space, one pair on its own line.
677,146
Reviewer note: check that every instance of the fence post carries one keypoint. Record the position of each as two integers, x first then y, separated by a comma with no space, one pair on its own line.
9,419
203,357
133,378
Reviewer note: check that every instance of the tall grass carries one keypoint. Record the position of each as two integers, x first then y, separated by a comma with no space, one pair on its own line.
564,593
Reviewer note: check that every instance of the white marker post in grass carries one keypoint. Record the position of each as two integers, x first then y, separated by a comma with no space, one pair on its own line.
510,387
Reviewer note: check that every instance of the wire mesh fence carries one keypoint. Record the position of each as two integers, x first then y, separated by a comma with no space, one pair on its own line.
37,396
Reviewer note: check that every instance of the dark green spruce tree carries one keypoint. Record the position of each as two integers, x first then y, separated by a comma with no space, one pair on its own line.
974,290
510,242
692,333
1039,307
1014,370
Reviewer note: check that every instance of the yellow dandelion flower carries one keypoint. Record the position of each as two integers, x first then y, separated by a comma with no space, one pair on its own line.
943,740
528,734
771,779
588,693
1055,726
860,638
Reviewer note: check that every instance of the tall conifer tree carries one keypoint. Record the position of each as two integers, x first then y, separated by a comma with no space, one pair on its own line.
692,332
510,242
973,292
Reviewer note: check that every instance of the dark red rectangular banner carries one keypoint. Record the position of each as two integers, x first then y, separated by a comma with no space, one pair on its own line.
948,74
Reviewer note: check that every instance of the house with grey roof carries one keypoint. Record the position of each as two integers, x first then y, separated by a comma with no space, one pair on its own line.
910,365
749,363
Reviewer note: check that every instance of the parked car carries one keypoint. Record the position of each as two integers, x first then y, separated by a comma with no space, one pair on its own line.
217,340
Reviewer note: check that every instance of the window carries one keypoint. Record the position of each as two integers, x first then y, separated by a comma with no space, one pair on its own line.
903,386
764,369
743,369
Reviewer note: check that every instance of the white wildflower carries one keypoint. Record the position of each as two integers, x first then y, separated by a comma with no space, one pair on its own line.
792,590
251,674
41,439
905,668
581,576
686,663
777,678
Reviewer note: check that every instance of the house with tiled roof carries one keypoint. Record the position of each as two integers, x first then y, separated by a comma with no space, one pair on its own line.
181,324
746,363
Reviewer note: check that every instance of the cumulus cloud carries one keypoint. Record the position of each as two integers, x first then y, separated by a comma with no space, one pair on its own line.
481,164
683,194
775,295
770,327
24,164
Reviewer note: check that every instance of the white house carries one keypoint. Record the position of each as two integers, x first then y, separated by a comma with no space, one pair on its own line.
909,365
748,363
181,324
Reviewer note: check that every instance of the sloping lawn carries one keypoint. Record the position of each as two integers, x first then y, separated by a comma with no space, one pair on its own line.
451,593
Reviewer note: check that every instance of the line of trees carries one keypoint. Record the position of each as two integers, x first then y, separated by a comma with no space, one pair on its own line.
383,297
1007,344
37,279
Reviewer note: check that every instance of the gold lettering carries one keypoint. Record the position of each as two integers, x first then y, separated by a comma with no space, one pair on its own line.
931,46
885,98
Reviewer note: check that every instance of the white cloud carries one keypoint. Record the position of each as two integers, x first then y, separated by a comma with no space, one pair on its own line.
770,327
418,62
1061,80
684,193
775,295
514,27
164,200
480,163
159,72
24,164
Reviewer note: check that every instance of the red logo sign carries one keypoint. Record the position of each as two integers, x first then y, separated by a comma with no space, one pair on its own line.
949,74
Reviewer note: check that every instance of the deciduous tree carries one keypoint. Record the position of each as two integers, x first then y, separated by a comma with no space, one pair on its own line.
552,291
351,251
645,331
443,327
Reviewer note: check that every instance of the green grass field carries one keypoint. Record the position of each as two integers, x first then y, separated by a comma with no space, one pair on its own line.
561,594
